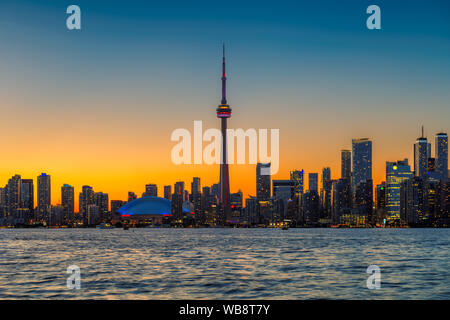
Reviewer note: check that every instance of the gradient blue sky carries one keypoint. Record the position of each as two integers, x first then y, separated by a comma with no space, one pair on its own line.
139,69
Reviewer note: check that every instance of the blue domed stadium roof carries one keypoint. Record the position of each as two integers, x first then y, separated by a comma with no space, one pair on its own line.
147,206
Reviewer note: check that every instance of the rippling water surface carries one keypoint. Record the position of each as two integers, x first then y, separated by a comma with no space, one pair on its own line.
225,263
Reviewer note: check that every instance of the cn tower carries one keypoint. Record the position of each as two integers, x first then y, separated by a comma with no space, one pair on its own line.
224,112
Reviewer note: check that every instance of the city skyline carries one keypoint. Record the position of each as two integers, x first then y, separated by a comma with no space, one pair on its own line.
153,189
99,110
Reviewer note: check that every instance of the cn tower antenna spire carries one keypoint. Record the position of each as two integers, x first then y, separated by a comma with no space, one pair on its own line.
224,77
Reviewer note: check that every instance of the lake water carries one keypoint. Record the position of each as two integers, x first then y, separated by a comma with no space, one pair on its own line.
224,263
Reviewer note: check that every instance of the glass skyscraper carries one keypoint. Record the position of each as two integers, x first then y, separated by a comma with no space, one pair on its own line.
362,161
68,203
346,168
43,196
297,176
441,155
263,181
422,151
396,173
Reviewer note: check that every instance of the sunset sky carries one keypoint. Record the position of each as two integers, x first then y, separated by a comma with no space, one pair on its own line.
97,106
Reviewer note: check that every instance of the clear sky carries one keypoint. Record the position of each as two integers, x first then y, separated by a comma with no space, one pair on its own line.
97,106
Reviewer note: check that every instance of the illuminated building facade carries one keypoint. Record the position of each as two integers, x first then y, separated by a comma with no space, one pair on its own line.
313,182
43,196
262,181
362,161
442,155
68,204
422,151
297,177
346,164
396,172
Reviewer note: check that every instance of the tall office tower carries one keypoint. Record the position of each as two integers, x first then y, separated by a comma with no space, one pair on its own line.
177,200
297,176
131,196
346,165
325,197
151,190
68,204
195,185
168,192
86,199
27,195
43,196
116,205
224,112
441,155
263,181
13,196
101,200
196,196
396,172
341,202
326,177
421,154
282,192
413,200
313,182
362,161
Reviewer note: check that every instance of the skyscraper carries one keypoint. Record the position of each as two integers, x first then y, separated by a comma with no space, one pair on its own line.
396,172
177,200
422,151
313,182
297,176
27,197
325,194
262,181
168,192
362,161
441,155
346,168
68,203
224,112
196,196
101,200
151,190
86,199
195,185
13,196
44,196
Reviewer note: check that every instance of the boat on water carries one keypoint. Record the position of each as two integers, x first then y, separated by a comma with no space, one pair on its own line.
105,225
285,228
